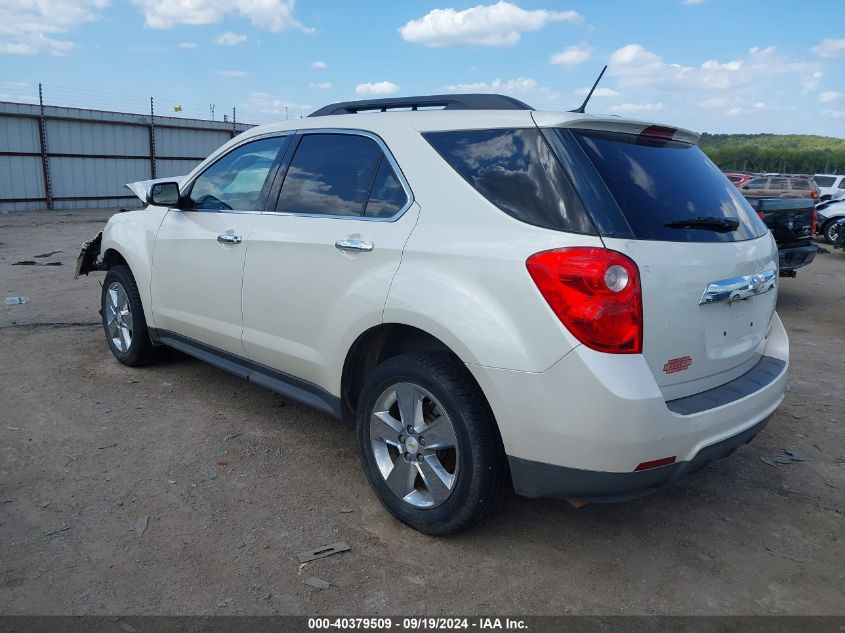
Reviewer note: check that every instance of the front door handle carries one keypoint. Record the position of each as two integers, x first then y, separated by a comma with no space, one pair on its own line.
225,238
354,245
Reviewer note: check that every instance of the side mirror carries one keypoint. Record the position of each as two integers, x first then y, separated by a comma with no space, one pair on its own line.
164,194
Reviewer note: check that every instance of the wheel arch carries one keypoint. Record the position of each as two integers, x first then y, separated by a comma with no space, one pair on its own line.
376,345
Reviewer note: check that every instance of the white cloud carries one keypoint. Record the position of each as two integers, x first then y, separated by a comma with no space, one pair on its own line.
231,73
629,108
830,48
836,114
377,88
572,55
230,39
27,26
521,88
693,1
321,85
753,108
263,107
599,92
187,45
272,15
319,65
500,24
829,96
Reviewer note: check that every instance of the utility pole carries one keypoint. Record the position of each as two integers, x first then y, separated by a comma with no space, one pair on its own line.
152,139
286,113
45,161
211,110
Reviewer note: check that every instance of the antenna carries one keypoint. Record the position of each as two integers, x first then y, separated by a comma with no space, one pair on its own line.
582,108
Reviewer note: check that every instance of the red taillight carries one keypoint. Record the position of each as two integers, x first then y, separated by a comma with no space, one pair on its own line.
657,463
814,194
762,215
595,293
813,223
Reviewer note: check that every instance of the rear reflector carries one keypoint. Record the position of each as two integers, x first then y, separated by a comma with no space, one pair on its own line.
657,463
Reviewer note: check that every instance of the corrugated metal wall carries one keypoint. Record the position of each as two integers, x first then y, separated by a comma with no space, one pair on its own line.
85,157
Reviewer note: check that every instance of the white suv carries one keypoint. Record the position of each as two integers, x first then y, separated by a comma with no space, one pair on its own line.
583,306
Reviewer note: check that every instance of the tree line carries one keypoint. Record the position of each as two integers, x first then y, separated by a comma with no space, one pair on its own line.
783,153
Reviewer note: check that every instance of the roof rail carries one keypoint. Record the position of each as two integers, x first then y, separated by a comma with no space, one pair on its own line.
447,102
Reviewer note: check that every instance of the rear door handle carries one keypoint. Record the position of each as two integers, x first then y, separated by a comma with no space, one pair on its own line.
225,238
354,245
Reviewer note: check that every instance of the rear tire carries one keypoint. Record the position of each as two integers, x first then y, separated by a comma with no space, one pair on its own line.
123,319
448,470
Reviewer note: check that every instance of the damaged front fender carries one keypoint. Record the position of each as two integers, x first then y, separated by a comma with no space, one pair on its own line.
89,256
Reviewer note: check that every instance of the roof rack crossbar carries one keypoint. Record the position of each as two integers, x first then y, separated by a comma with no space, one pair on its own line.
447,102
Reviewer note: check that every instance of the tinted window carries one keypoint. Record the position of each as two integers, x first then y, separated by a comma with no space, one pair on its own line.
517,171
655,182
330,174
236,179
387,196
757,183
735,179
800,183
777,183
824,181
841,184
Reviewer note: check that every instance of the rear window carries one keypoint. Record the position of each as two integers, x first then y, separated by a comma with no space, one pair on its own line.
517,171
824,181
654,182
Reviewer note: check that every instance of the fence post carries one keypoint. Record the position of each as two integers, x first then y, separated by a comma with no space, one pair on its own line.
152,139
45,161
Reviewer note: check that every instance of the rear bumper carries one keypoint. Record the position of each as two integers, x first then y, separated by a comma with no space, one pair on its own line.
796,257
536,479
580,429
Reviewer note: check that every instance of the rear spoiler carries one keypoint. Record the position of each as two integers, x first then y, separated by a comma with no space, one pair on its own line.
142,187
613,124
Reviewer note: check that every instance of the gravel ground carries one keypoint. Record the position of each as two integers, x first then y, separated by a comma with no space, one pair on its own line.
236,480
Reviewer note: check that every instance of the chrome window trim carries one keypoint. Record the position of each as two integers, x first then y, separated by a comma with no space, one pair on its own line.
409,194
190,183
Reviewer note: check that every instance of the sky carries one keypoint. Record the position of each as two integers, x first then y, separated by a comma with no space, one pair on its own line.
715,66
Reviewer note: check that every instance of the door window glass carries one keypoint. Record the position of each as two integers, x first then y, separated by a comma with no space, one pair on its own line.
234,182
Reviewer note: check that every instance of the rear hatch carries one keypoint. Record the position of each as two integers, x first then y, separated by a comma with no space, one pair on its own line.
707,263
791,220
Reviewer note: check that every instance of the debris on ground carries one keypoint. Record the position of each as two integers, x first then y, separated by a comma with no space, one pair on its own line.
13,301
786,457
43,255
26,262
232,436
221,463
141,524
61,529
317,583
322,552
345,510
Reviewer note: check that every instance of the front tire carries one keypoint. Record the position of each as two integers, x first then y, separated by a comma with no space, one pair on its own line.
123,319
429,444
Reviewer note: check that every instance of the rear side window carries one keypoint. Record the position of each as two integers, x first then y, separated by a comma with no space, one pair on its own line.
655,182
387,197
841,184
330,174
517,171
800,183
824,181
777,183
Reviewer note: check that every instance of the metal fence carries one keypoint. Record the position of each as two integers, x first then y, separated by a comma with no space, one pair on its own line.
54,157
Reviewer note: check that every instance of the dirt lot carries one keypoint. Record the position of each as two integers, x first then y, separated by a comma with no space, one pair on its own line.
235,480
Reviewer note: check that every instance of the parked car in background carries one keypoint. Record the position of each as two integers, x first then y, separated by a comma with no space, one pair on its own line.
829,213
738,178
780,187
831,186
792,222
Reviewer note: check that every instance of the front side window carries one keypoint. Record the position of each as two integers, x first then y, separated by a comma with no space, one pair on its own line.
757,183
841,184
516,170
235,181
330,174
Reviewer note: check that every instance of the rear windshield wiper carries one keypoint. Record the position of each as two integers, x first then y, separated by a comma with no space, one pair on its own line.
720,225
